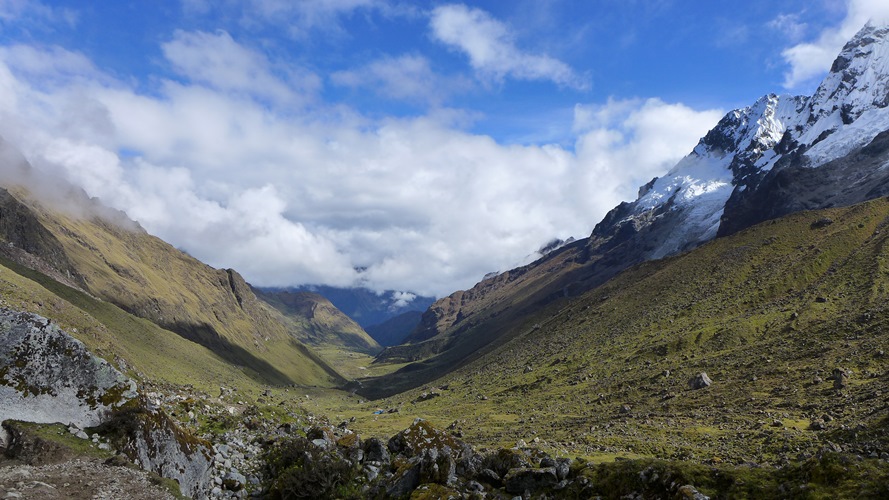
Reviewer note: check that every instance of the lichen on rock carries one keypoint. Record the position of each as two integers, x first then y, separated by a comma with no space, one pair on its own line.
47,376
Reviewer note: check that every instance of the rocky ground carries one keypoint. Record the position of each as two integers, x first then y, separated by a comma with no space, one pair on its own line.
78,478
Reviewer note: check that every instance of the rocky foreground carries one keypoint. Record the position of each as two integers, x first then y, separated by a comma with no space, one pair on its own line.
128,440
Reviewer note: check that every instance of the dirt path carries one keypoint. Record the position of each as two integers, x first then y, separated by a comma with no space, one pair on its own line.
77,479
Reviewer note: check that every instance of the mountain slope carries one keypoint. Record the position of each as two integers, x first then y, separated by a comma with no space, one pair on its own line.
780,155
395,330
788,318
319,322
98,251
367,307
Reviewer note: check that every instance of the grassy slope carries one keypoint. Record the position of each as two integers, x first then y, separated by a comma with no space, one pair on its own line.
215,308
763,312
319,322
112,333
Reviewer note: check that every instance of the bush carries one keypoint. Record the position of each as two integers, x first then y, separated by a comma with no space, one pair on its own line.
296,468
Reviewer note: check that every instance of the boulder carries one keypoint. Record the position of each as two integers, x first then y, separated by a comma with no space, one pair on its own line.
47,376
840,379
376,451
517,481
421,436
405,480
158,444
700,381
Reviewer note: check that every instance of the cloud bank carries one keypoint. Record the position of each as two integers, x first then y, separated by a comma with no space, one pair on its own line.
235,157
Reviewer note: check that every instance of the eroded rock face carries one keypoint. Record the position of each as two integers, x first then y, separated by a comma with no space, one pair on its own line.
47,376
156,443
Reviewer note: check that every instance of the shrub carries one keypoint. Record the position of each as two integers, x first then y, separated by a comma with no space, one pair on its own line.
296,468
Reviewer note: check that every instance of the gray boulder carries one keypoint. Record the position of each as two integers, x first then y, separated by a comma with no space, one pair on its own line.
700,381
519,480
47,376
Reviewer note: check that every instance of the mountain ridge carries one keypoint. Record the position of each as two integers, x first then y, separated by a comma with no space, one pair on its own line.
745,170
77,241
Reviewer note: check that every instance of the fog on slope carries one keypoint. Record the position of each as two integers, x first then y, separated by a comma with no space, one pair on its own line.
55,192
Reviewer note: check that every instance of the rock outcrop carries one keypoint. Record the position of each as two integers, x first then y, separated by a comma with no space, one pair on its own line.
48,376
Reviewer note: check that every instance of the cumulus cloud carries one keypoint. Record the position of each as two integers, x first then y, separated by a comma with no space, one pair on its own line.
325,195
625,143
401,299
216,60
808,61
492,49
408,77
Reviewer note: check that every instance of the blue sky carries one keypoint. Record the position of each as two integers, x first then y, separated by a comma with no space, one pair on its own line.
424,143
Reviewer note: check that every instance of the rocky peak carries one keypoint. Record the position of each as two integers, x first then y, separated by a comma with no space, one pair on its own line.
753,129
858,79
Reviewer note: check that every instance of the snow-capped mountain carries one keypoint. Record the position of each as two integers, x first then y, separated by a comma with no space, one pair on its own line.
780,155
752,165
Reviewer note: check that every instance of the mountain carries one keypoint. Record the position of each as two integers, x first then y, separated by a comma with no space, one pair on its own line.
780,155
789,320
319,322
366,307
52,228
393,331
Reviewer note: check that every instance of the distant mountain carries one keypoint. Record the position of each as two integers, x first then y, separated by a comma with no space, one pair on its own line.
89,250
780,155
364,306
318,322
394,330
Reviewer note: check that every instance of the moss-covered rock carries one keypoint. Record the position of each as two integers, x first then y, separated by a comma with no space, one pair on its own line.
48,376
158,444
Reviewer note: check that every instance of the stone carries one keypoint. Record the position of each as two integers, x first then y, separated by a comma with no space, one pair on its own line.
517,481
52,377
562,466
405,480
234,481
490,477
376,451
426,396
700,381
840,379
689,492
420,436
371,472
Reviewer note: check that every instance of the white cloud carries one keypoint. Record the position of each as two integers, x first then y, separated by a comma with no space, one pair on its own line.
789,25
408,77
219,62
625,143
810,60
492,50
12,11
309,196
301,18
401,299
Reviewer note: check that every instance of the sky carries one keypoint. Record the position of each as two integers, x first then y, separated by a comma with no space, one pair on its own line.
409,146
